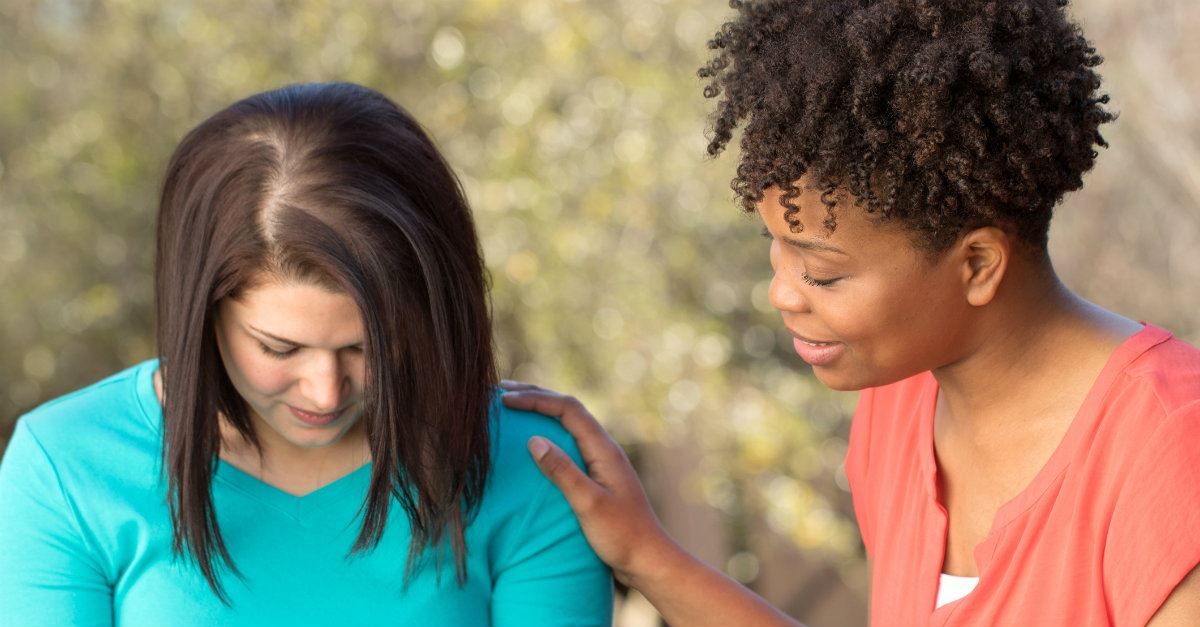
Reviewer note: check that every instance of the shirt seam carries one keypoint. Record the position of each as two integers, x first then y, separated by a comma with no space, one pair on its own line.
110,381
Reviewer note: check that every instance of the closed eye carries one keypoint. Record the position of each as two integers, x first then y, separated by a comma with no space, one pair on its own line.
819,282
269,352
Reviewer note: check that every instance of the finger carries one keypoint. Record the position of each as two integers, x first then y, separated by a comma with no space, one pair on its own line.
581,492
594,443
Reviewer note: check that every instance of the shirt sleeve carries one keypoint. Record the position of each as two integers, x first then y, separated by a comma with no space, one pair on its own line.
551,576
1154,538
857,456
48,574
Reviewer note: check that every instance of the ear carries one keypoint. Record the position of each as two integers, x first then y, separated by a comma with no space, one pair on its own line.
985,254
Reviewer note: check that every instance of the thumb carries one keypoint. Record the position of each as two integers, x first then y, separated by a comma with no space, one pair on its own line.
560,469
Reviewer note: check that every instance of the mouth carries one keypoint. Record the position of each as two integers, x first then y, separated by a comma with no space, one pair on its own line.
817,352
313,418
817,343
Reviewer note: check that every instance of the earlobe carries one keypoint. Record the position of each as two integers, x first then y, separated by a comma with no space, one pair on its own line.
987,253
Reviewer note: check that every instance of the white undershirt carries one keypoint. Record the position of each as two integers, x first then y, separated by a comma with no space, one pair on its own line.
952,588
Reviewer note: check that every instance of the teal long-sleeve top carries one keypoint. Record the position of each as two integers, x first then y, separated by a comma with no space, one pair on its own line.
85,535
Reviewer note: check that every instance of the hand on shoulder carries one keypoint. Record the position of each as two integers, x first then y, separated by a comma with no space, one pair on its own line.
608,498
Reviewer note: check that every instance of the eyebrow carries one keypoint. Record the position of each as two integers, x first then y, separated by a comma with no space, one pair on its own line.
806,244
284,340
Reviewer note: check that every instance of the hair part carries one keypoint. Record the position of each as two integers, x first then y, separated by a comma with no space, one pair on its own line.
940,114
332,184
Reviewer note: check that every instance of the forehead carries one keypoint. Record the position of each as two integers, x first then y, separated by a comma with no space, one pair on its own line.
302,311
855,231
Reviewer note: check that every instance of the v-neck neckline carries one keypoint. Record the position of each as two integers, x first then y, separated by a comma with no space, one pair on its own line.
1084,423
299,507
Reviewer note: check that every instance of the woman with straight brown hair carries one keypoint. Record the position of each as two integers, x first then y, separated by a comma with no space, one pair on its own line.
320,437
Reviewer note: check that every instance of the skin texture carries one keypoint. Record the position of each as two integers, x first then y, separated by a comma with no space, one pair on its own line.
322,372
988,317
877,307
1182,608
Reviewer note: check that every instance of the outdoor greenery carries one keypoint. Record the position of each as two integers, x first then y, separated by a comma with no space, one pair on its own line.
622,270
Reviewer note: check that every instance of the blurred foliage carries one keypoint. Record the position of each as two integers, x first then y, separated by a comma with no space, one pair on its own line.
622,270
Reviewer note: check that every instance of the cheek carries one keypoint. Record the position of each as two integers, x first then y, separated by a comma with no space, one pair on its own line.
901,325
267,379
864,314
254,373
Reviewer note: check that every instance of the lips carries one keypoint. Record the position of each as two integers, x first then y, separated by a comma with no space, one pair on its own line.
315,419
817,352
812,342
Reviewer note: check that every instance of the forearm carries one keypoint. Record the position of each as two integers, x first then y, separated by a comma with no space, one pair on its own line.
689,593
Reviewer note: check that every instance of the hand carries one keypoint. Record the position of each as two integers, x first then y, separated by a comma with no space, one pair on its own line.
609,500
620,525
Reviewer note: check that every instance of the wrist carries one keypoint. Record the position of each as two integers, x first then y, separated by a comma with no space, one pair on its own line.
658,560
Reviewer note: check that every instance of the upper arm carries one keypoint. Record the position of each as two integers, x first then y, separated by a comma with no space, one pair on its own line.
1182,608
1153,544
551,576
48,573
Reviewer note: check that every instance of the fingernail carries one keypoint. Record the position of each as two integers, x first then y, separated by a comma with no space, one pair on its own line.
538,447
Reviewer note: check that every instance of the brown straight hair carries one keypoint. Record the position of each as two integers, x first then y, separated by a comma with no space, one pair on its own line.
335,184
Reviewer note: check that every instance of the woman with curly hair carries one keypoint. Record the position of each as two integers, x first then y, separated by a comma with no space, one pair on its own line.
1018,456
320,441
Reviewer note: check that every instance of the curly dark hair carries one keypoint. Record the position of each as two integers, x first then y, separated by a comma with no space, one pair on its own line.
945,115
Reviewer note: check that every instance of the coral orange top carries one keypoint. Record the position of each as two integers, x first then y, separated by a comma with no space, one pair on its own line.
1101,536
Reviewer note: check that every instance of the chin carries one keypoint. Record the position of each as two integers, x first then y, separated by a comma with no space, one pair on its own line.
851,380
847,380
317,437
838,381
314,440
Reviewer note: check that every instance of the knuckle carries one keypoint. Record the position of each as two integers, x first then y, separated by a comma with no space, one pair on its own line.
555,464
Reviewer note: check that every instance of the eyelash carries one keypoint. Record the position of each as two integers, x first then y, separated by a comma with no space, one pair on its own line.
275,354
818,282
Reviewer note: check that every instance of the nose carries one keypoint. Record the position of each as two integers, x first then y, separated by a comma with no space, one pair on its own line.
326,384
786,296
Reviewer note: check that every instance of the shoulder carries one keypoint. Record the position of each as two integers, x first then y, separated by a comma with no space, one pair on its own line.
520,503
1155,403
511,430
1153,472
84,423
1154,398
1166,374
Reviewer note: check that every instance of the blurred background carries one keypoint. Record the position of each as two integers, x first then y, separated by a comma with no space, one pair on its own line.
623,272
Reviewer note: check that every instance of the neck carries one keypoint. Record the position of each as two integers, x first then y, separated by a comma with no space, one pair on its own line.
1032,355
